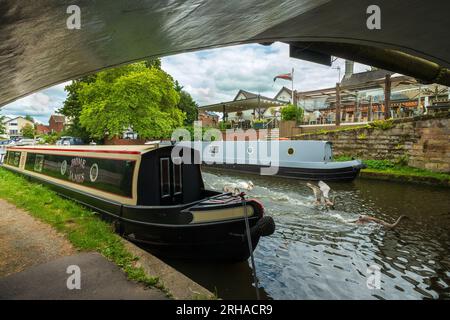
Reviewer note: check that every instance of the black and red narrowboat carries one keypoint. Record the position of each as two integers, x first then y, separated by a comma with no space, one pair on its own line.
151,197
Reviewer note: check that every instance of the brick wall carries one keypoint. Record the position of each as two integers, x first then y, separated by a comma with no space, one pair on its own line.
423,142
123,142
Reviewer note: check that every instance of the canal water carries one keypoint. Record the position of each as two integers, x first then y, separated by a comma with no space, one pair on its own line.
318,254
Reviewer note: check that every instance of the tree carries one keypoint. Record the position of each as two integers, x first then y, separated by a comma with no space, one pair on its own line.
187,105
2,125
153,63
133,96
72,107
29,118
28,131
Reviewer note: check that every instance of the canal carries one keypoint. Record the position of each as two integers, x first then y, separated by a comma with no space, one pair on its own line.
317,254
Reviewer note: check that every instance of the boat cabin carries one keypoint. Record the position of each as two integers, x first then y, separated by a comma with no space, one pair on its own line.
135,175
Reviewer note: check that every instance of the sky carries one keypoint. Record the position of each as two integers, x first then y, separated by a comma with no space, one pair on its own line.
212,76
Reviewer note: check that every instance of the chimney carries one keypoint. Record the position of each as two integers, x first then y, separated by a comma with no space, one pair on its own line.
348,69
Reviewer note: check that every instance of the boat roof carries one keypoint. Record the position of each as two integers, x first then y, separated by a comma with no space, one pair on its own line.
119,149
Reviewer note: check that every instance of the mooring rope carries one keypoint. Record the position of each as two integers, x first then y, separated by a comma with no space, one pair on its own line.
250,246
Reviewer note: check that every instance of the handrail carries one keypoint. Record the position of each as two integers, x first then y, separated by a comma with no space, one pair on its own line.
266,125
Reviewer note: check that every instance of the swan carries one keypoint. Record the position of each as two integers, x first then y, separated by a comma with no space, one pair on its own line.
235,188
321,192
367,219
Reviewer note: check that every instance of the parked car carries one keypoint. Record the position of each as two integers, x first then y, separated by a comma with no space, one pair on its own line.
25,142
6,142
69,141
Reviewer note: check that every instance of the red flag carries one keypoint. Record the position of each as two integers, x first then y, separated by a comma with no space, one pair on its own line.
286,76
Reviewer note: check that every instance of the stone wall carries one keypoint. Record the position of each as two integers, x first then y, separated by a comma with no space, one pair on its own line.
421,142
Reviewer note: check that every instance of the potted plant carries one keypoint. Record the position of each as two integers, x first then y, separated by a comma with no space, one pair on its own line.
223,125
292,113
259,124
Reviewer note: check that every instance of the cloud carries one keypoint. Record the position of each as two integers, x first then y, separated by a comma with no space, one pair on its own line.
213,76
39,105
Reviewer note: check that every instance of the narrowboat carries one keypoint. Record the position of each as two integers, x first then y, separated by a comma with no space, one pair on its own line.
151,196
310,160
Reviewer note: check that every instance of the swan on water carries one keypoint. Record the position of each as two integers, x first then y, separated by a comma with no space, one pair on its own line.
235,188
367,219
321,193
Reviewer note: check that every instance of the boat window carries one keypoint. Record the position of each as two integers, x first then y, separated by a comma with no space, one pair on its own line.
39,163
165,177
110,175
291,151
13,158
177,178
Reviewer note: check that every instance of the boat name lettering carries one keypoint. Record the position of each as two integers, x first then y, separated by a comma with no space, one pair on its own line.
77,170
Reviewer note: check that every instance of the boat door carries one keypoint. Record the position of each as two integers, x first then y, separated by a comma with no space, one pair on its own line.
171,184
328,152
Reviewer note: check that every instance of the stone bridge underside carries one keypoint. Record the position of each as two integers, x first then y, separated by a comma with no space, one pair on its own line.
37,50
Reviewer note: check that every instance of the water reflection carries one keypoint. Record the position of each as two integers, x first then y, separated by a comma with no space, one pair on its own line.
317,254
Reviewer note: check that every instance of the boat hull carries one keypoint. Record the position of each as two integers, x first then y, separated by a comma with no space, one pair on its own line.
346,174
167,231
212,241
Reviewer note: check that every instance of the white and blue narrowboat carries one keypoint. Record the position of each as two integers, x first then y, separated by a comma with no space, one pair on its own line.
295,159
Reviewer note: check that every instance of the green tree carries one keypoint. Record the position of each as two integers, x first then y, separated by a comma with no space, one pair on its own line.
133,96
28,131
29,118
153,63
72,107
2,125
187,105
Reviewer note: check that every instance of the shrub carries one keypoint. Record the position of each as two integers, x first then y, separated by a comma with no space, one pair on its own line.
50,138
402,161
191,129
291,112
382,124
379,164
362,136
260,121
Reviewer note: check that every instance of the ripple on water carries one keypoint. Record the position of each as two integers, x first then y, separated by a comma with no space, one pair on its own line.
316,254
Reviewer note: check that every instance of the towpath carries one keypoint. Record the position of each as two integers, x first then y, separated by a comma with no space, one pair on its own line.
34,259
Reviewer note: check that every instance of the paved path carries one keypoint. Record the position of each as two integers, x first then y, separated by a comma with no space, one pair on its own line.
99,279
34,260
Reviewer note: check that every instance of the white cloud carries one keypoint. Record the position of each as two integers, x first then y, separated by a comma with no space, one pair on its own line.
39,105
213,76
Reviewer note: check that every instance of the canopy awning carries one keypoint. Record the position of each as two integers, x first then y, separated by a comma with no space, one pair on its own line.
242,105
37,50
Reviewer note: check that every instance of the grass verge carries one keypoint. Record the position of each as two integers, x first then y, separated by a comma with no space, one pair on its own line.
82,227
386,168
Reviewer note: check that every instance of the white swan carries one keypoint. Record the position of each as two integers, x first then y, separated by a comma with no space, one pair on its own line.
321,192
235,188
